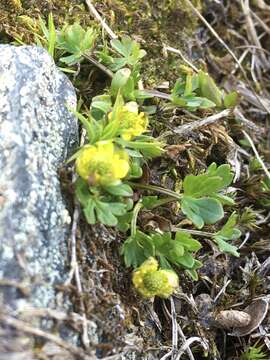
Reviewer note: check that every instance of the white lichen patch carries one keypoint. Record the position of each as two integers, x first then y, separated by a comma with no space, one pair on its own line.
37,133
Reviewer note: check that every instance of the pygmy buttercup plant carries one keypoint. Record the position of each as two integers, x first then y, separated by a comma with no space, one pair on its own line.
117,147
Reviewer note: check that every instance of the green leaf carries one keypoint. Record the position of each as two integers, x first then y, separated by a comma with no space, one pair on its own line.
209,89
226,247
175,251
98,209
202,211
120,190
135,170
142,95
188,85
129,49
136,249
92,127
119,80
201,185
124,221
76,41
228,232
149,202
231,100
89,212
223,171
192,272
107,212
164,263
187,260
215,179
149,149
100,105
186,240
82,191
223,199
112,128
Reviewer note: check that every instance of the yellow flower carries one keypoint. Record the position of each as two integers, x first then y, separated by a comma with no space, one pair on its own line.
102,164
150,282
131,122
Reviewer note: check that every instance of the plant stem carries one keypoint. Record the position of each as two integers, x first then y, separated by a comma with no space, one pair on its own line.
163,201
157,189
193,232
133,226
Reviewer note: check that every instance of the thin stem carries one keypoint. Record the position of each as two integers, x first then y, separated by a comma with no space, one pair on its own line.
163,202
133,226
157,189
193,232
99,18
103,68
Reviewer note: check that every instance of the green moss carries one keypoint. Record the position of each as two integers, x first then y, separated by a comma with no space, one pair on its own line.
14,21
155,23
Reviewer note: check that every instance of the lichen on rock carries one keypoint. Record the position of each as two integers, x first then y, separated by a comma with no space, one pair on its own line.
37,133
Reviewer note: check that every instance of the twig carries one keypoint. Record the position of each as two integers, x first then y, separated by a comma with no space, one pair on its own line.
103,68
257,154
54,314
179,52
174,329
99,18
222,290
193,232
187,344
182,335
75,272
27,328
187,128
22,287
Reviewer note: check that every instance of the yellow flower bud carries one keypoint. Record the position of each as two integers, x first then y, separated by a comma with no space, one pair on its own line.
150,282
102,164
131,122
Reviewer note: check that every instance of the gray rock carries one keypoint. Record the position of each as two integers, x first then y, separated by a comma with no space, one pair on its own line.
37,133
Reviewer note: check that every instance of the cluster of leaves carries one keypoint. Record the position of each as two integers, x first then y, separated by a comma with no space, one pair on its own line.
202,202
202,197
71,39
199,90
170,251
254,353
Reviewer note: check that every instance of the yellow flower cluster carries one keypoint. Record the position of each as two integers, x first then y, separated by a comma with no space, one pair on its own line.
102,163
131,122
150,282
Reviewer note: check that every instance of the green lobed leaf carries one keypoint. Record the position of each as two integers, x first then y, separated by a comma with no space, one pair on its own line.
226,233
124,221
193,271
186,240
120,190
214,180
202,211
226,247
136,249
223,171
